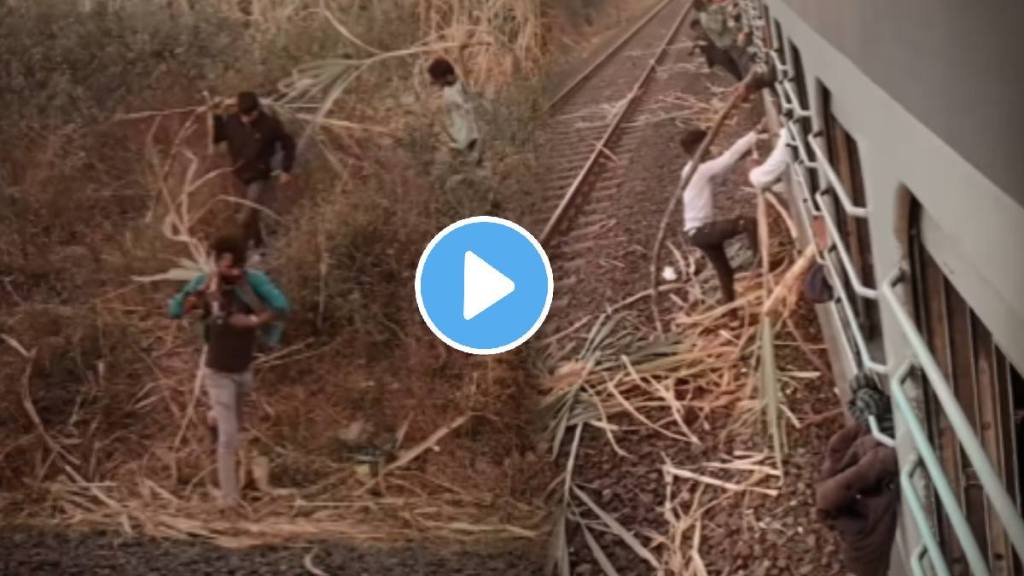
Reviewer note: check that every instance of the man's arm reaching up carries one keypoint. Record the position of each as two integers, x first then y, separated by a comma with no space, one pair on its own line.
716,167
772,168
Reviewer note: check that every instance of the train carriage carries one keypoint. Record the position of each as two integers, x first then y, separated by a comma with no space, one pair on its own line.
904,124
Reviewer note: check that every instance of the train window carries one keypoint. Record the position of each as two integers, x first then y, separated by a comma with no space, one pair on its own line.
778,41
797,64
766,30
991,392
800,82
844,156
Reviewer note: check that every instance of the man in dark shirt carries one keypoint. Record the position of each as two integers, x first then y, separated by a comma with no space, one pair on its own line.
254,137
725,43
858,492
235,303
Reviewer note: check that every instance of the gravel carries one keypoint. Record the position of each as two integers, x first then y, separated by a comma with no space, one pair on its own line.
35,551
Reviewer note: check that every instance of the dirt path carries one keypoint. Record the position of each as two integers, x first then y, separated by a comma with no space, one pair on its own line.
36,552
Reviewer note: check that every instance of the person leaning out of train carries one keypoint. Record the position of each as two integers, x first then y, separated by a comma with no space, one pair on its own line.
857,494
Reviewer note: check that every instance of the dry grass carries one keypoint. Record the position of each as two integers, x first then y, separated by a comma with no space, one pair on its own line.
102,424
706,381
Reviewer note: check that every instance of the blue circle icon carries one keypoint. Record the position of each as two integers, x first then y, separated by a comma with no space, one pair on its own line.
484,285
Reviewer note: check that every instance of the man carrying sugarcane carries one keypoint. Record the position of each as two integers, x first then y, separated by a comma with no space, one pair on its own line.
701,228
460,119
254,138
237,305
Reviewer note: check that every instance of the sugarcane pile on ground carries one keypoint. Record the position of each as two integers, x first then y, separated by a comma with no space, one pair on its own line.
709,430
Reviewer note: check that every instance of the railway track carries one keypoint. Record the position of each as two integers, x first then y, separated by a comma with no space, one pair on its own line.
609,162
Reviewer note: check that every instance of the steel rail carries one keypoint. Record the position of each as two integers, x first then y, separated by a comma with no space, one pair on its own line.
604,57
570,193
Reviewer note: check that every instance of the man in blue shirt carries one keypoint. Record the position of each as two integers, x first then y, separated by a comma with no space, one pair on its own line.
236,304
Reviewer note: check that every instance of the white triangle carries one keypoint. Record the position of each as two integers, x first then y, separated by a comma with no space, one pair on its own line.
482,286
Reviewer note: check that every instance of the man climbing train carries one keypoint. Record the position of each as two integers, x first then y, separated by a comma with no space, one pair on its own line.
699,224
236,305
254,138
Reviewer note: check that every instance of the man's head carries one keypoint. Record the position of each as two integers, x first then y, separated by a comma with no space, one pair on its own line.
442,72
248,106
691,140
229,257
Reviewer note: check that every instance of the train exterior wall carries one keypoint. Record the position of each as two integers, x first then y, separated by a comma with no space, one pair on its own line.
932,93
955,66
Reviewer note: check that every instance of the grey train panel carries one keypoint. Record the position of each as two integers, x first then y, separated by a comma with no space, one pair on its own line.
955,65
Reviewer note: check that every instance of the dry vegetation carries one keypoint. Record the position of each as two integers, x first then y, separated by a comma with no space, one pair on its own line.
363,425
704,404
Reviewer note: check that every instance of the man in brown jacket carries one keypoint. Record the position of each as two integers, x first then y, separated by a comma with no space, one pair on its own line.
254,137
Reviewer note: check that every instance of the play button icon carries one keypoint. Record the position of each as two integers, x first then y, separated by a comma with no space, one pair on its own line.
484,285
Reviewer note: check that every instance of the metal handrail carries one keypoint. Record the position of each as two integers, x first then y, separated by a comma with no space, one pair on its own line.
833,179
781,68
806,196
877,433
917,562
788,97
1003,504
797,106
950,502
859,286
931,545
796,130
858,335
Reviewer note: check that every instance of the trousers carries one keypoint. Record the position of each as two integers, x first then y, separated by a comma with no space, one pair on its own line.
260,193
710,239
227,392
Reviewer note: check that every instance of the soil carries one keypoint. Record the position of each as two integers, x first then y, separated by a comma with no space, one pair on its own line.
34,551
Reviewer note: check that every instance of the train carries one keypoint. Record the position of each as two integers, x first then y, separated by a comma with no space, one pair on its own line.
905,130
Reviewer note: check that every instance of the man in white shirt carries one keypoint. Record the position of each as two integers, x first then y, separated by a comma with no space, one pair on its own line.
460,120
699,223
